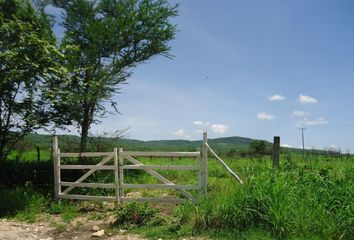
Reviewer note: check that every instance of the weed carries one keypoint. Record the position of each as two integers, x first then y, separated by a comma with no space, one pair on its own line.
60,226
134,214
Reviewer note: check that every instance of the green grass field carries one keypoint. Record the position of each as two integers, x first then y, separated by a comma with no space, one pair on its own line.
304,199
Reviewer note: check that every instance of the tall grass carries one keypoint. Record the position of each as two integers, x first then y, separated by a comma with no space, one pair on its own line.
287,204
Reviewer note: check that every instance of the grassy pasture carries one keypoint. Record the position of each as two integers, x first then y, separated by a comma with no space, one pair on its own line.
310,199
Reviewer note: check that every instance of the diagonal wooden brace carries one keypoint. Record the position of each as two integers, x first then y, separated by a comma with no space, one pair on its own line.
161,178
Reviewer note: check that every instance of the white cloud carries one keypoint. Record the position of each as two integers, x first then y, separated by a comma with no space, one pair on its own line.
201,123
277,97
264,116
219,128
181,133
198,123
297,113
315,122
286,145
304,99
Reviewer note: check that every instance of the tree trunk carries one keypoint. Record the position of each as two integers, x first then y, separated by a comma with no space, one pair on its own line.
84,135
85,126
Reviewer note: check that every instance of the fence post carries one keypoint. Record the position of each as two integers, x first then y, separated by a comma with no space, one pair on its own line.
204,165
56,164
116,174
121,173
199,164
38,154
276,151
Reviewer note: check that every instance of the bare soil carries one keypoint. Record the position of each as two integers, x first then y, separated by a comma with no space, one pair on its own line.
44,230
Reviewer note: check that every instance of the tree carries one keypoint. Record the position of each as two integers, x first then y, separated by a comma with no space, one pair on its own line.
104,40
258,147
28,58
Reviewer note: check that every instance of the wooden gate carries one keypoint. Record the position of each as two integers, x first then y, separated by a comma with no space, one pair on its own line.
119,185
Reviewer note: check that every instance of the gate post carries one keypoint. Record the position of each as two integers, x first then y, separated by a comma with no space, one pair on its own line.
56,164
116,169
199,165
121,174
204,164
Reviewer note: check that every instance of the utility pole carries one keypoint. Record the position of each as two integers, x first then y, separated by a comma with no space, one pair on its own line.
303,143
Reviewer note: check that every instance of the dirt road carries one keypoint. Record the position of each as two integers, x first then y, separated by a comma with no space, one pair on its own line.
13,230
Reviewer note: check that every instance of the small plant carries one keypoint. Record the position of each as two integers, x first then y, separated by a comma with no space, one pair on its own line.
67,210
60,226
134,214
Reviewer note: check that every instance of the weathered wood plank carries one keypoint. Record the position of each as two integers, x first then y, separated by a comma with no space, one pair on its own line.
121,172
163,200
116,173
161,167
93,167
199,165
86,154
161,154
88,185
165,186
56,164
87,197
204,164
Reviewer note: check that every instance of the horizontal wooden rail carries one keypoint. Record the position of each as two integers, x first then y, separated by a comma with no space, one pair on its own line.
88,185
94,167
86,154
163,200
87,197
161,167
161,154
165,186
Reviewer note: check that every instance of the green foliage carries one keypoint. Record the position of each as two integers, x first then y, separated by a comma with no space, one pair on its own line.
29,58
258,147
66,209
23,203
134,213
103,42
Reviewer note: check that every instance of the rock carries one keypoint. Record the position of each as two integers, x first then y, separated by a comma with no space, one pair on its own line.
98,233
95,228
122,231
111,219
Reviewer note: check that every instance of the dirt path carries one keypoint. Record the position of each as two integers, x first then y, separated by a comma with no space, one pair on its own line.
10,230
13,230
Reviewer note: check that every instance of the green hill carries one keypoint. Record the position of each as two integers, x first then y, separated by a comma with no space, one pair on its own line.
219,144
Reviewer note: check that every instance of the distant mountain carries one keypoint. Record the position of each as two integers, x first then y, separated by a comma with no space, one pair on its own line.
219,144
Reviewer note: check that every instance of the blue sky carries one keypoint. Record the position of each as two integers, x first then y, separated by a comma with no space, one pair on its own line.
248,68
